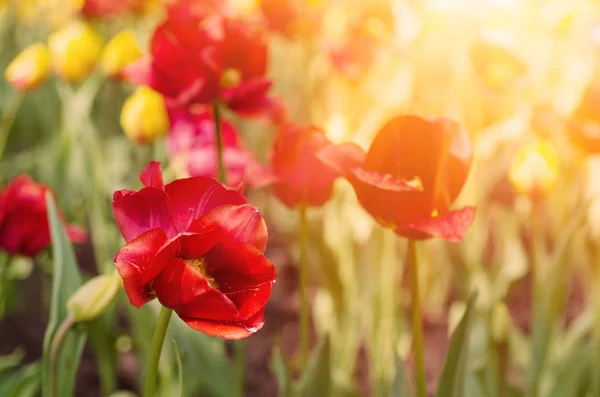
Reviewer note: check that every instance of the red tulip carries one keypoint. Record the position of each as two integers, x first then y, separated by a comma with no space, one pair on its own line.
192,146
102,9
207,59
298,177
410,176
24,228
197,246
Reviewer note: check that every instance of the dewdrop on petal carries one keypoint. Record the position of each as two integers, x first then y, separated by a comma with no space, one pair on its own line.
144,116
94,297
119,52
30,69
74,51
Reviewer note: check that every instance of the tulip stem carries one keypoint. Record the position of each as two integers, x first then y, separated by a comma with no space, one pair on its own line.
417,320
157,343
221,174
11,108
58,341
303,288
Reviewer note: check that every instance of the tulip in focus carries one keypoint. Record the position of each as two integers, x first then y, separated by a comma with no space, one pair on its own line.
74,51
94,297
30,69
411,175
119,52
144,116
24,228
535,169
198,247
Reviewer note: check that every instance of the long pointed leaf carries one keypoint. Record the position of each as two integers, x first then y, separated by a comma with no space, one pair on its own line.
65,281
453,376
317,378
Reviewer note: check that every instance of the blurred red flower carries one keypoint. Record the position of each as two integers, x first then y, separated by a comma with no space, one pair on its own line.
24,228
197,246
298,177
292,18
413,171
206,59
584,127
192,147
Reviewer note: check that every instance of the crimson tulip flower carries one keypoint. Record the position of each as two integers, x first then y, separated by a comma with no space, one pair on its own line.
192,147
24,228
413,171
298,177
104,9
207,58
198,247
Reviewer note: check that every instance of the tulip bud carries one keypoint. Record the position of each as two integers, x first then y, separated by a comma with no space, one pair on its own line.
500,323
93,297
144,116
120,51
535,168
30,69
75,50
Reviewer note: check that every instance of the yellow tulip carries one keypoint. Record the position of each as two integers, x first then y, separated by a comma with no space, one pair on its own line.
144,116
75,50
120,51
30,69
535,169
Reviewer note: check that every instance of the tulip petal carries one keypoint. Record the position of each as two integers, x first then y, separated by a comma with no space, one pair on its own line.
249,98
342,158
193,197
139,72
451,226
242,223
383,181
243,274
212,305
229,330
151,176
140,262
76,234
138,212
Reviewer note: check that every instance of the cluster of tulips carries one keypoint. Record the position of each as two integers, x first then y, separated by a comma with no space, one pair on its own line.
192,239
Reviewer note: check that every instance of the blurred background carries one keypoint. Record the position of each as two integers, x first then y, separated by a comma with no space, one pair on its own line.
520,75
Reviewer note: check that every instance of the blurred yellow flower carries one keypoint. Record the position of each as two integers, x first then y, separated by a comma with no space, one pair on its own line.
535,169
119,52
30,69
144,116
75,50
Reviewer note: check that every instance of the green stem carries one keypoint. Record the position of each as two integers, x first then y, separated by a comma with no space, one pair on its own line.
11,108
304,329
157,343
221,174
4,263
240,365
58,342
417,320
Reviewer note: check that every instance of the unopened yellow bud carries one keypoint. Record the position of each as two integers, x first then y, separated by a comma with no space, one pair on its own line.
119,52
535,169
144,116
30,69
94,297
75,50
500,323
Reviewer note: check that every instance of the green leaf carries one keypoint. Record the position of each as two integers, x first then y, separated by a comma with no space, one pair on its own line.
179,368
573,379
453,376
12,360
66,280
317,377
282,374
400,386
22,383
